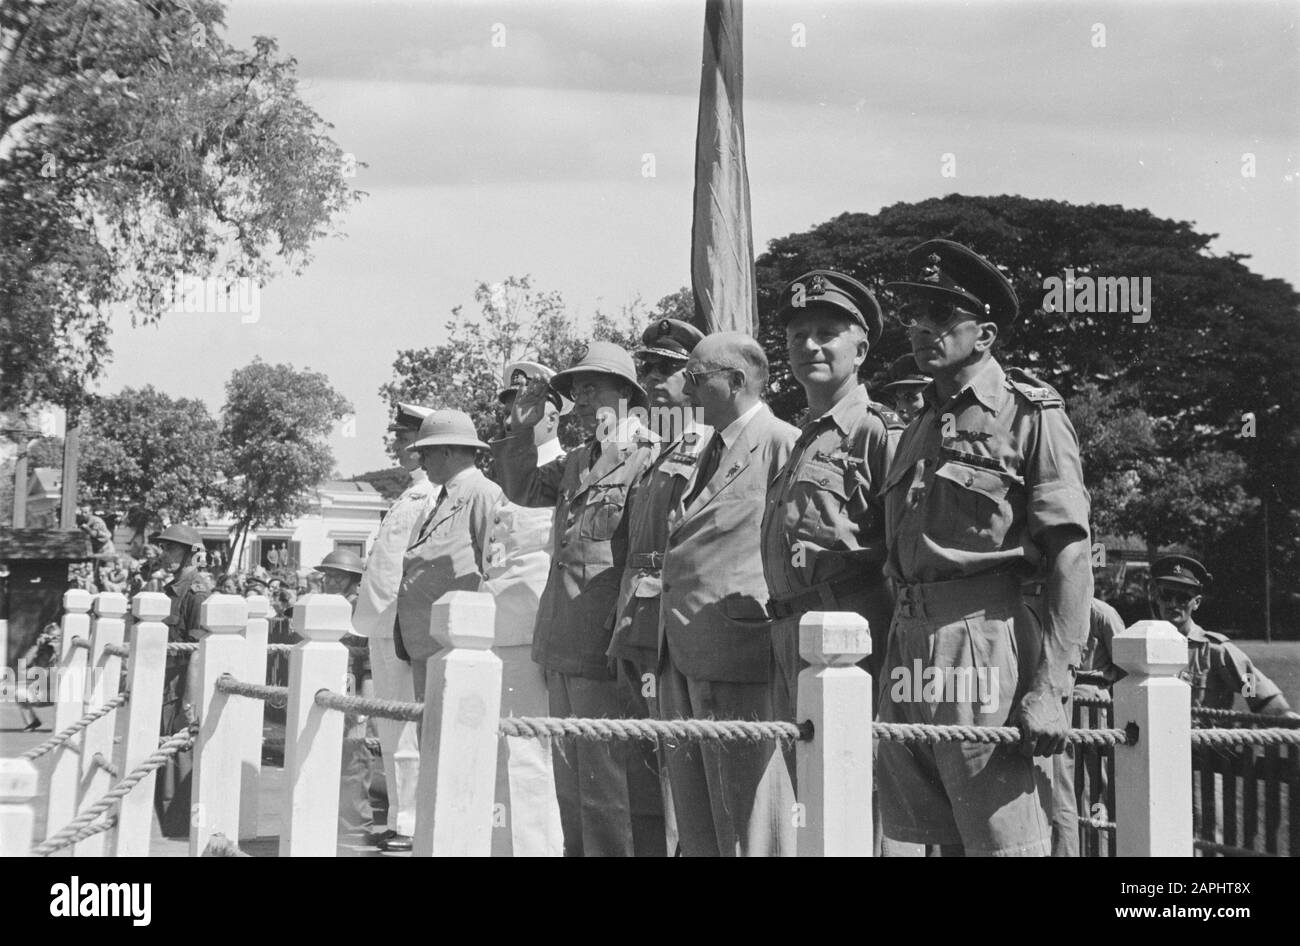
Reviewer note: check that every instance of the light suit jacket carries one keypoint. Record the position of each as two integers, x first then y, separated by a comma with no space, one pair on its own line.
714,609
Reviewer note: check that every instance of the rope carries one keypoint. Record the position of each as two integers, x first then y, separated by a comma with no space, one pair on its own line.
285,648
1100,824
181,647
1226,738
276,696
72,833
1101,699
80,642
1271,722
998,735
384,709
1209,847
117,650
63,736
683,730
99,760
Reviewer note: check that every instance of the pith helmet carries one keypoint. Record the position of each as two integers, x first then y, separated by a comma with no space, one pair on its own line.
342,560
601,358
179,534
447,428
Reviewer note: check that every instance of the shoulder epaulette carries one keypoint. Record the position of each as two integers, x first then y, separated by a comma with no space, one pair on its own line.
1033,390
891,419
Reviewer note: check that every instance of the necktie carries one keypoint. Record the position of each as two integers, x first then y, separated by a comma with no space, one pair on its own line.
428,522
709,461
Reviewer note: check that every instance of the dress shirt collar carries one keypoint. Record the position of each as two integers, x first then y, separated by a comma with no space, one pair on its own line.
731,433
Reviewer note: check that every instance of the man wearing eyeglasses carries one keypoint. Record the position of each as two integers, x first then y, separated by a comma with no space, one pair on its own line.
588,489
634,645
1217,669
716,644
985,489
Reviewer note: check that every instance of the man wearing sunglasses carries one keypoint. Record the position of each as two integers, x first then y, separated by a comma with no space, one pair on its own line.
986,488
1217,669
634,645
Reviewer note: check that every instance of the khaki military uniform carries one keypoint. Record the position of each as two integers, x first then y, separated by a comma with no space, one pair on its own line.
824,532
975,486
588,488
1217,670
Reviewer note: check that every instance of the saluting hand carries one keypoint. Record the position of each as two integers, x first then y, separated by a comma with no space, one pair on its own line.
529,407
1040,717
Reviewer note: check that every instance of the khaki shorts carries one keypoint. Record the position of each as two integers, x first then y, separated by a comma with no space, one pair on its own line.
960,653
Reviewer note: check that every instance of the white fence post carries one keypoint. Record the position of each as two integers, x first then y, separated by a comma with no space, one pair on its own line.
216,747
17,817
458,742
103,683
70,686
145,674
834,770
313,737
1153,780
252,712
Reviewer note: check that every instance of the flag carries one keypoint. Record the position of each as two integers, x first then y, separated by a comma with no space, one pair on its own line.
722,244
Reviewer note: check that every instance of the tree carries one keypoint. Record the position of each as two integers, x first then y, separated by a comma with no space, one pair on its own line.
516,323
273,429
1215,368
150,459
137,145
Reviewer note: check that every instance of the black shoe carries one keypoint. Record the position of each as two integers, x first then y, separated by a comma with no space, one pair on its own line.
398,842
374,840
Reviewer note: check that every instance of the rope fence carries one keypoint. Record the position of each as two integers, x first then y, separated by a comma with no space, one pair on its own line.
117,650
74,831
276,696
682,730
1224,738
365,706
59,738
996,735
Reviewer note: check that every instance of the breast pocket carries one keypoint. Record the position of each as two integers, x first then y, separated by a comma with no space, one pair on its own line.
602,513
979,514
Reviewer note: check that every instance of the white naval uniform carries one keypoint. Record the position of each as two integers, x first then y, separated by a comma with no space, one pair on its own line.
518,566
374,616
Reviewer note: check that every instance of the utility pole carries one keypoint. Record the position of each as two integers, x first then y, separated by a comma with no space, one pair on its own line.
71,458
1268,581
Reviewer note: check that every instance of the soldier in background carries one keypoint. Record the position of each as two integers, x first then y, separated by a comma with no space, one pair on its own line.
187,590
518,564
903,391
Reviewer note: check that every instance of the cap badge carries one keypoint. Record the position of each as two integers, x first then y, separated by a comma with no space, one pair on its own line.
931,273
1177,570
665,327
518,377
579,354
817,286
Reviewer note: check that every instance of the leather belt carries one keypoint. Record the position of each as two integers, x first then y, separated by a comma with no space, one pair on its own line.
823,596
651,560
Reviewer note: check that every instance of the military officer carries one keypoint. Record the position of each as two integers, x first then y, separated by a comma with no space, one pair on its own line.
716,645
1217,669
588,490
375,618
187,591
519,562
906,382
986,488
634,644
823,527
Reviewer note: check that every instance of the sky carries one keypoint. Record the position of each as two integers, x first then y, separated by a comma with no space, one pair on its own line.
526,155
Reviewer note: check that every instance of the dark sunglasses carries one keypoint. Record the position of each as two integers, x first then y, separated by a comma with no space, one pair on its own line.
694,376
1170,596
661,366
939,314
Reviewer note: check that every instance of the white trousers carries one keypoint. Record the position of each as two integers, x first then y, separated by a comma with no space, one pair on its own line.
526,819
401,748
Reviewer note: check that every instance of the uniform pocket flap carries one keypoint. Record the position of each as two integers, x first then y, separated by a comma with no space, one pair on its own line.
986,482
743,608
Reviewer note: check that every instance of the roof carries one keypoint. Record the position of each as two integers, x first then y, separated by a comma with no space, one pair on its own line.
346,486
33,545
45,479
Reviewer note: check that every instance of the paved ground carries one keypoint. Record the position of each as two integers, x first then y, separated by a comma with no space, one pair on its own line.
14,742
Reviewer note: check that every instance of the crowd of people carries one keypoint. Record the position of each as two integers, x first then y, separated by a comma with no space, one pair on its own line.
663,567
